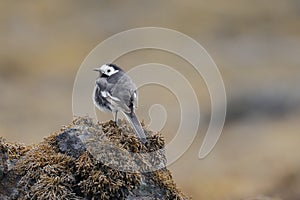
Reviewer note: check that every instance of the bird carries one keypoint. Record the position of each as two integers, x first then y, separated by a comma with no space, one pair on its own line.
116,92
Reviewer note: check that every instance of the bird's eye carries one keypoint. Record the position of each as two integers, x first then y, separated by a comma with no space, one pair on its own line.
108,70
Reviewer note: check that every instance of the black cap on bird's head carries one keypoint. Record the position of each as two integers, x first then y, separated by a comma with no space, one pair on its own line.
114,66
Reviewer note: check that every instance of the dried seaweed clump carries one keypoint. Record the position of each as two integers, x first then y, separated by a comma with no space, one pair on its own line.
64,166
46,174
118,147
14,151
10,153
123,136
161,178
101,182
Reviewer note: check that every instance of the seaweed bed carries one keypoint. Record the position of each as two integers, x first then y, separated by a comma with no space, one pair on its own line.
64,167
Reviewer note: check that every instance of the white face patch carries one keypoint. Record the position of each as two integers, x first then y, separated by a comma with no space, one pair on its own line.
108,70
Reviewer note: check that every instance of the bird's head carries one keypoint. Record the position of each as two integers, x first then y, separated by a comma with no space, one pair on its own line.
107,70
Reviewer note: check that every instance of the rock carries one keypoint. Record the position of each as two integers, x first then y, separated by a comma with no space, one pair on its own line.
85,160
69,143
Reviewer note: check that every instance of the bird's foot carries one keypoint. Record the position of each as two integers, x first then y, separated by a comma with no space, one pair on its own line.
116,122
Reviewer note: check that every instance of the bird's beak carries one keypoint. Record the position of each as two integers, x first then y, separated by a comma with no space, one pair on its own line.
97,70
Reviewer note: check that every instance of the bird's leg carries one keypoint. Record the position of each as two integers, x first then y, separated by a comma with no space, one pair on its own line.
116,117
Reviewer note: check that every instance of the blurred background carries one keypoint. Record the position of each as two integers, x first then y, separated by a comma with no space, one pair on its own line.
256,45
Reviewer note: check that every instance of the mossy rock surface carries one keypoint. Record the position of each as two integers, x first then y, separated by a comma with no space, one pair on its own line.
69,165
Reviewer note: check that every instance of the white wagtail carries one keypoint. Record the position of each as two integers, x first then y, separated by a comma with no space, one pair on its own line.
115,91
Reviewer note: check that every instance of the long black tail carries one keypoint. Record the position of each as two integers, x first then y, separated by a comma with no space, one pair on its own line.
137,127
